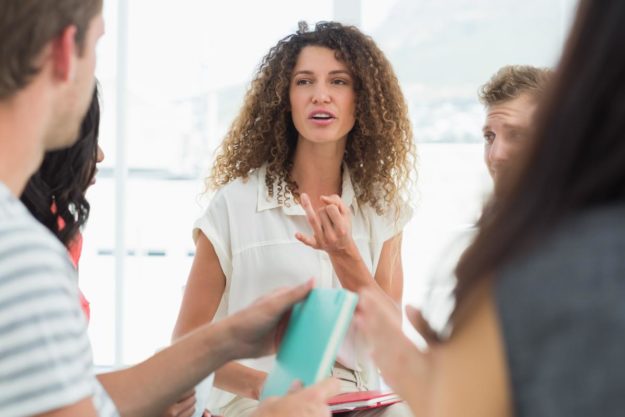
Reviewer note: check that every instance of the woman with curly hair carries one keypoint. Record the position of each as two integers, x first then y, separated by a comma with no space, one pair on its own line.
311,180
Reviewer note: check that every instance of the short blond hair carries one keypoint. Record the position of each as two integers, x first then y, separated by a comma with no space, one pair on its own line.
513,80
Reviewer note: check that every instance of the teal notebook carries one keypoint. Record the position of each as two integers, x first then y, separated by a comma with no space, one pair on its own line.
313,336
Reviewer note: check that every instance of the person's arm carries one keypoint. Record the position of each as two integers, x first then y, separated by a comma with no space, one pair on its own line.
465,376
204,289
149,387
390,272
203,292
240,380
332,233
145,390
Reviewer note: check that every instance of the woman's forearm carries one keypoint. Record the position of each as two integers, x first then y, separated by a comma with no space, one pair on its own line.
240,380
351,269
355,276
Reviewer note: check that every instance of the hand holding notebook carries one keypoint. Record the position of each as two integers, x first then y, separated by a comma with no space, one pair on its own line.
313,336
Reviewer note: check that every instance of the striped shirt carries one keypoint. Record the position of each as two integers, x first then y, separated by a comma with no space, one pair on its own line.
45,354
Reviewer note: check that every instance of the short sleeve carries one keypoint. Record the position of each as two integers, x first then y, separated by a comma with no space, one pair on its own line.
386,226
45,354
215,225
393,221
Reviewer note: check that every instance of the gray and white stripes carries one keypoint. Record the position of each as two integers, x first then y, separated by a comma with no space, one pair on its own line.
45,355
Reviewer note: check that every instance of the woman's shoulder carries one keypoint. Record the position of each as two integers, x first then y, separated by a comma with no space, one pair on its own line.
579,242
582,256
233,203
241,191
559,304
599,223
389,220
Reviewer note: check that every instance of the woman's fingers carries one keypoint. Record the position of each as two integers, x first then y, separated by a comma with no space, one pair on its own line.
295,386
329,236
311,216
307,240
330,223
334,199
337,220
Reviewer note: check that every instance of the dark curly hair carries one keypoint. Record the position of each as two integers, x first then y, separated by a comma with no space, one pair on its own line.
63,179
380,149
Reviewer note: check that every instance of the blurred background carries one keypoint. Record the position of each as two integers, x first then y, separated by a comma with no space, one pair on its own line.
173,76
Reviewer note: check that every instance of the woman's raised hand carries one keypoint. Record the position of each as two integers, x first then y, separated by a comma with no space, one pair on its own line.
331,224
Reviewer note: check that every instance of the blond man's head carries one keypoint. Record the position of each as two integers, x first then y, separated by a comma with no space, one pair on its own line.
510,98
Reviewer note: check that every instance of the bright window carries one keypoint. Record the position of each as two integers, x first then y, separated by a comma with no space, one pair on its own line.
188,67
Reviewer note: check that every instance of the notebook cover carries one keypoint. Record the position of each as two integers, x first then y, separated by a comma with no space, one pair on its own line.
313,336
362,400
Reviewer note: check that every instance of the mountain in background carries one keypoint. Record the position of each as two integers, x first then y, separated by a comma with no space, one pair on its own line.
453,44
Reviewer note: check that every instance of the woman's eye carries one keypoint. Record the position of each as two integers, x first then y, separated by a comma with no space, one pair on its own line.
302,81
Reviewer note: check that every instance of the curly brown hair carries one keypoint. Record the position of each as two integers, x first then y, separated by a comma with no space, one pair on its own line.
380,151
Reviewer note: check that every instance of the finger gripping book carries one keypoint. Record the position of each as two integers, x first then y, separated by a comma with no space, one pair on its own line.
313,336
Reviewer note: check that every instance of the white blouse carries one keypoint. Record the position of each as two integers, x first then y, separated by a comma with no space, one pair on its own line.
254,238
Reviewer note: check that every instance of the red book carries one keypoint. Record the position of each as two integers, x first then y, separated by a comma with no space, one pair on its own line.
361,400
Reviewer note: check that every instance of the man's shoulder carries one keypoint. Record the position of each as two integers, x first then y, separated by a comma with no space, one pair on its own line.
43,339
20,232
30,254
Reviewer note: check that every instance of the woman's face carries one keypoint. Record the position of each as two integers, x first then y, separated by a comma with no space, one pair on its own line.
322,97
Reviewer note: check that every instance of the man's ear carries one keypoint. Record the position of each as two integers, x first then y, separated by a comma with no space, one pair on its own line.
64,54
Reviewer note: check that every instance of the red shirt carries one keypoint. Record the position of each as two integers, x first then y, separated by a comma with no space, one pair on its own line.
74,250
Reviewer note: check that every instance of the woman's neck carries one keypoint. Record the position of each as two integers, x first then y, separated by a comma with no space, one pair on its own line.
317,169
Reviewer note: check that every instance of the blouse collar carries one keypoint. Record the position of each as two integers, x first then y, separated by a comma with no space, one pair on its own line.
267,202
